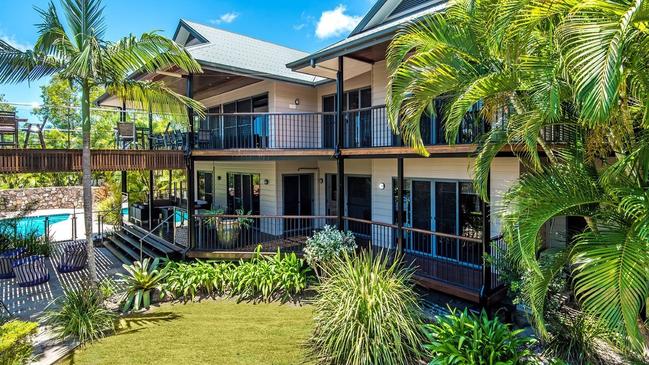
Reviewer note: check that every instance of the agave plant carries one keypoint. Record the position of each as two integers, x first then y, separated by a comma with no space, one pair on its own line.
141,279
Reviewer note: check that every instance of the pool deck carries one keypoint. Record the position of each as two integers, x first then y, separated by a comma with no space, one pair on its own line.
30,303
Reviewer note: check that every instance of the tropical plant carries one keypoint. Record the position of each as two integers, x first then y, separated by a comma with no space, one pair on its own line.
79,54
367,312
577,339
15,342
534,65
141,279
187,280
81,314
465,338
328,243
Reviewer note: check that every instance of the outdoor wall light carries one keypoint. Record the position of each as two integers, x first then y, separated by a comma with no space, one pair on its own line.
297,101
266,181
382,186
321,180
218,178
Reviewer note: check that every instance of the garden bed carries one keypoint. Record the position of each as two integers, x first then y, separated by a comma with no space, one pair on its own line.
208,332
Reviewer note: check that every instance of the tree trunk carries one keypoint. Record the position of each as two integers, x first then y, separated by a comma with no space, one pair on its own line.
87,180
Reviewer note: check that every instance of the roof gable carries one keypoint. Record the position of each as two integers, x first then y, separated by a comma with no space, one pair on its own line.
231,52
385,11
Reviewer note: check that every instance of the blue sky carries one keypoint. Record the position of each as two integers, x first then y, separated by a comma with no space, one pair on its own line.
308,25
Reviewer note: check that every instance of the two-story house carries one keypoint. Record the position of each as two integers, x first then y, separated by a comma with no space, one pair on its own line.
299,140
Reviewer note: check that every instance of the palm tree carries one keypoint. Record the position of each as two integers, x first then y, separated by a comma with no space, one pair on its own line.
582,65
78,53
471,53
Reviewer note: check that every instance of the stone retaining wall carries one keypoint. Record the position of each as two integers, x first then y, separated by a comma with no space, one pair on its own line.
60,197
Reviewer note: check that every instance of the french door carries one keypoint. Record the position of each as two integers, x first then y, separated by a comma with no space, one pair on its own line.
450,207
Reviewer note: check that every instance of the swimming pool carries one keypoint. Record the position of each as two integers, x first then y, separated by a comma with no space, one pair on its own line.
180,215
36,224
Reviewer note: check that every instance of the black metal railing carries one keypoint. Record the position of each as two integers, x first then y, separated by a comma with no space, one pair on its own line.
267,131
452,259
220,232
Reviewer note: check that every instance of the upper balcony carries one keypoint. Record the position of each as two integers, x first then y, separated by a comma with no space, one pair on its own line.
366,131
48,139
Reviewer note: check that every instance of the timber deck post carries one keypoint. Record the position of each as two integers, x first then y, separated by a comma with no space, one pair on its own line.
340,132
190,164
122,118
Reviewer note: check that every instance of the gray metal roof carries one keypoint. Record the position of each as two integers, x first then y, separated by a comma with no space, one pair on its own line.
231,52
358,41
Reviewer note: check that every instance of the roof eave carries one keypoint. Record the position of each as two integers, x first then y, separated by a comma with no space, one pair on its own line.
345,48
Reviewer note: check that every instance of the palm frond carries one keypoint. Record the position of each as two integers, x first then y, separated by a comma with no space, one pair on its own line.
154,96
611,280
17,66
149,52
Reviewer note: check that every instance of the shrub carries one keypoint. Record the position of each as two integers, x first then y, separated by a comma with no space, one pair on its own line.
279,276
327,244
188,280
576,338
81,314
269,277
465,338
15,343
367,313
141,279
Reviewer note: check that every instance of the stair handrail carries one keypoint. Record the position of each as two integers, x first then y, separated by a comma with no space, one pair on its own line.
152,230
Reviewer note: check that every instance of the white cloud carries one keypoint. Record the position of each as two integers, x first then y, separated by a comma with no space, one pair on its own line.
299,26
14,43
226,18
334,23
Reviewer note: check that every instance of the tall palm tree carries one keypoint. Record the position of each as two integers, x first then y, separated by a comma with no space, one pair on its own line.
77,52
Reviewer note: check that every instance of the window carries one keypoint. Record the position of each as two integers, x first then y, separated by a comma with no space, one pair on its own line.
205,187
358,117
248,130
243,191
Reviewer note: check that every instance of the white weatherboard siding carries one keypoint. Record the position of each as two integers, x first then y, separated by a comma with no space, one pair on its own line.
266,169
255,89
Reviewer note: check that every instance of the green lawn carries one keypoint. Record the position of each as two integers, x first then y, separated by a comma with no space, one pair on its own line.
210,332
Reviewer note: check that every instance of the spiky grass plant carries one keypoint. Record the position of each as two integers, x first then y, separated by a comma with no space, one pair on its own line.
141,279
81,314
367,313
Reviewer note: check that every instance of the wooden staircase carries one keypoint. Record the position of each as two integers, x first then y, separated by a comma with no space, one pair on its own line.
125,244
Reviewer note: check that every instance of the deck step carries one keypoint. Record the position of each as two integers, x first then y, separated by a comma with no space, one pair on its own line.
153,240
124,247
117,252
135,244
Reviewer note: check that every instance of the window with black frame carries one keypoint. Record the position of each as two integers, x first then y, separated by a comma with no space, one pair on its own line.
249,129
358,116
243,193
206,187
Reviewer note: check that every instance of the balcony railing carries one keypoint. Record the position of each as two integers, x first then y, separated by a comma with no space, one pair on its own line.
451,259
267,131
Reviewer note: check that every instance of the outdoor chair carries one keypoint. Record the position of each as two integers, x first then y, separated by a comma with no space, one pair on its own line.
126,135
74,257
8,127
31,271
30,128
7,258
204,138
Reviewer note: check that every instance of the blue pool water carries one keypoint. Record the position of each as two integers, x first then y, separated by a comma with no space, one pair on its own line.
27,225
178,218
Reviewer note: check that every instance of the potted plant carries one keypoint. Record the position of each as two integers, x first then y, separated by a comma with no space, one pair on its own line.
228,229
